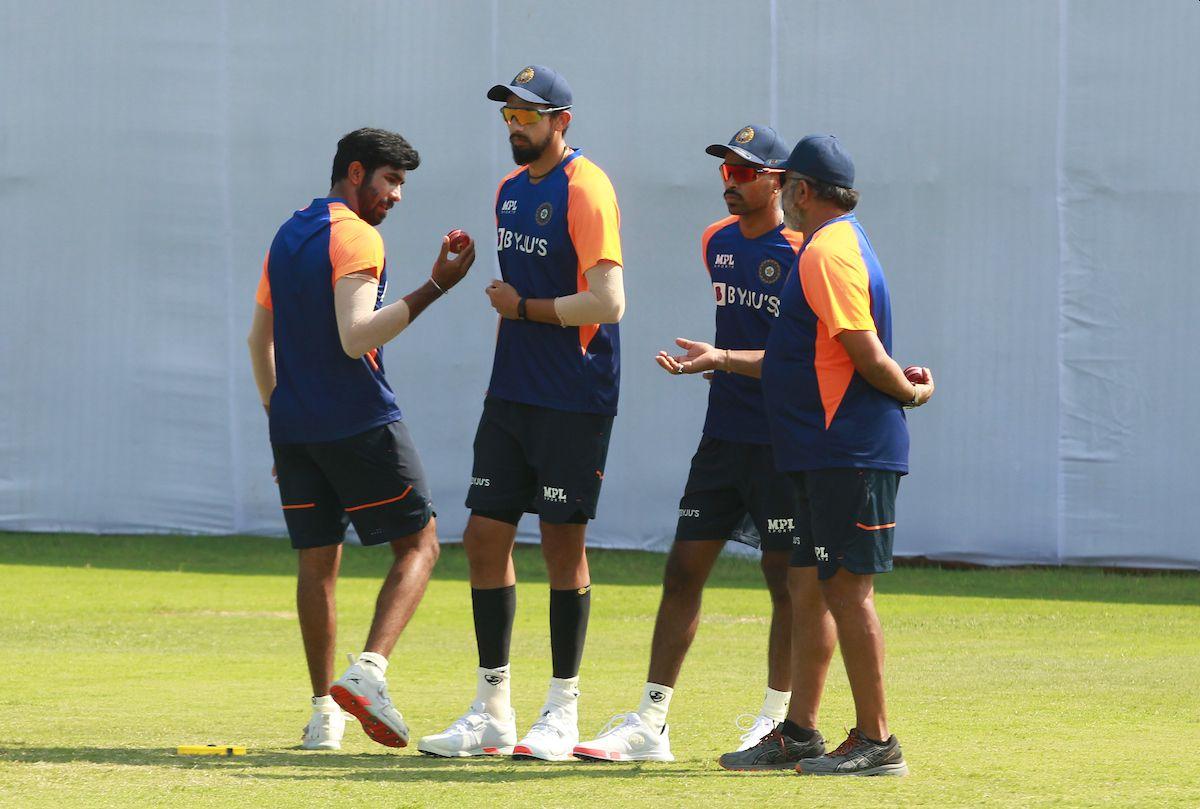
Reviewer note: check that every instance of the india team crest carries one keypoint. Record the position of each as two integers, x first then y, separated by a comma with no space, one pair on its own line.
769,271
745,136
544,212
524,77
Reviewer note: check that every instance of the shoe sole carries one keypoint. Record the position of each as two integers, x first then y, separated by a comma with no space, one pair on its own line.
523,753
374,727
473,753
786,765
900,769
594,754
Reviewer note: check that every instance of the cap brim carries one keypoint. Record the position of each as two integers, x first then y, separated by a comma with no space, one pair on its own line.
501,92
723,149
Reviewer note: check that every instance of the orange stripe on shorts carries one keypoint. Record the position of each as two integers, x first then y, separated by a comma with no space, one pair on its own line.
875,527
403,495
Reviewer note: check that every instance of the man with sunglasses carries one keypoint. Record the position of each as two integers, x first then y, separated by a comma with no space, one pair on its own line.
733,478
835,404
543,437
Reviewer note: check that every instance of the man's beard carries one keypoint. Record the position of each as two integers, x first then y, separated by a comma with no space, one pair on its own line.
523,154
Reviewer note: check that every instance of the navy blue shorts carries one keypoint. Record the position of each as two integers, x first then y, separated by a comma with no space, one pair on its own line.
538,460
374,480
734,492
847,518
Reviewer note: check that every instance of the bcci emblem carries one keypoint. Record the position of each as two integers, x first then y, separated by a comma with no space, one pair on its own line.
546,210
745,136
769,271
524,77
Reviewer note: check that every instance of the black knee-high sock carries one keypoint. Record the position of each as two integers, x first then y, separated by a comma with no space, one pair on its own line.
569,610
494,611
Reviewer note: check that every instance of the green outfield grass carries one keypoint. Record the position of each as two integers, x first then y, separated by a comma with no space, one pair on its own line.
1006,687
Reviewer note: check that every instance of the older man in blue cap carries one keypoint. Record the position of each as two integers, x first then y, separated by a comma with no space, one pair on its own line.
835,404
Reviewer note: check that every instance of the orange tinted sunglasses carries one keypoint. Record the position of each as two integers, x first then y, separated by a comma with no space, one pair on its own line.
744,174
526,117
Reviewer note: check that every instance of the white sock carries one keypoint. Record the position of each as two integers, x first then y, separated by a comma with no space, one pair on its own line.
324,703
564,692
656,700
775,704
377,660
492,694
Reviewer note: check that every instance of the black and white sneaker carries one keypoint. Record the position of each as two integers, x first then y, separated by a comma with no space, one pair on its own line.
773,752
858,755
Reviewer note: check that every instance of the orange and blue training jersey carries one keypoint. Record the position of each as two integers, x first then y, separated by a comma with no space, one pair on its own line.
321,394
747,277
548,234
822,413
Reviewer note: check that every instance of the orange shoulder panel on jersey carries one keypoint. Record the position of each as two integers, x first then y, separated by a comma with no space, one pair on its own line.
837,287
835,280
709,232
354,246
263,295
507,177
795,238
593,218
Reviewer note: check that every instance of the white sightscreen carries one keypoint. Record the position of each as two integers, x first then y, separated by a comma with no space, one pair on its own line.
1029,172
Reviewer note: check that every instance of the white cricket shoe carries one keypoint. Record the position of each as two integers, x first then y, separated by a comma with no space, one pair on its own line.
627,737
362,692
475,733
324,730
755,727
552,737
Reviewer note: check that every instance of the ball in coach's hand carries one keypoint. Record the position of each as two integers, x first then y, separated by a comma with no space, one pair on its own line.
916,375
458,240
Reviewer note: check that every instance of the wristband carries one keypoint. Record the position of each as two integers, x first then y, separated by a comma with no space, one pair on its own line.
521,309
437,287
913,402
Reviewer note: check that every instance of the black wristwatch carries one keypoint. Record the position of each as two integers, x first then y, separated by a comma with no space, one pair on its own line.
521,309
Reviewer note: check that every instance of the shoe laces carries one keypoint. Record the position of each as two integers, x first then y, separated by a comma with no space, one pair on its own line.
617,723
852,740
545,723
750,723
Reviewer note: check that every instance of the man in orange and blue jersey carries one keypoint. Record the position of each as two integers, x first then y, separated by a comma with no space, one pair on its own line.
342,453
543,437
835,404
733,476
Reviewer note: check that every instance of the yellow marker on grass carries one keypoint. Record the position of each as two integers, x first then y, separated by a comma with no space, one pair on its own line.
209,750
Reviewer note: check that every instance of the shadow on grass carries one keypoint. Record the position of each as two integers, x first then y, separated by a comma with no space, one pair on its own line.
262,556
306,765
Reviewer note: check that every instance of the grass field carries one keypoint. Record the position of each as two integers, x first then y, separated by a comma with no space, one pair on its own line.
1007,687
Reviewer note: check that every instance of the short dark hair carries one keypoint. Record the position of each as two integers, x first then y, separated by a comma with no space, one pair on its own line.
844,198
373,148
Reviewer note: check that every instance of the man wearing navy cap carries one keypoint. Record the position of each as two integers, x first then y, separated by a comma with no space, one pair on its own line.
835,403
543,437
733,480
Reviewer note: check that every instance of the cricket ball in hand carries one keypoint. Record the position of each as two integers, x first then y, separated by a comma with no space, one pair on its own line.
458,240
916,375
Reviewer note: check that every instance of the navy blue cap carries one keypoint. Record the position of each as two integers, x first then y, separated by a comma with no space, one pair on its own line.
754,143
822,158
537,84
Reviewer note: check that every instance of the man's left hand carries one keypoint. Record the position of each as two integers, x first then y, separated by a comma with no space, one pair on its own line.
504,299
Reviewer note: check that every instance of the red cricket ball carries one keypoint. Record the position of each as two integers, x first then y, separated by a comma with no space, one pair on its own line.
916,375
458,240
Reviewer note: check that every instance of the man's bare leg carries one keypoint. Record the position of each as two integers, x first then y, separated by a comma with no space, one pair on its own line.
851,600
316,606
402,590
